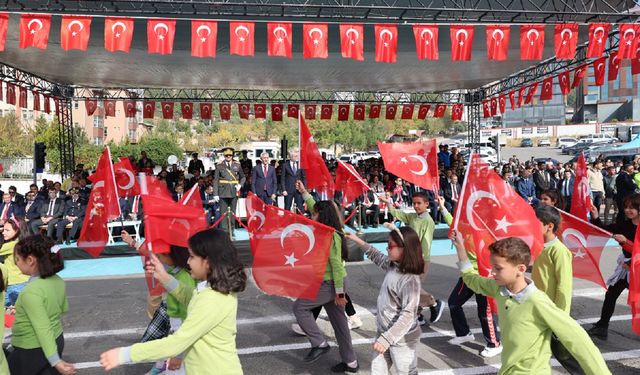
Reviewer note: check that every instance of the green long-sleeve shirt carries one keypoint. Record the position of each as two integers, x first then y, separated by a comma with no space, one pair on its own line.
335,269
527,320
4,368
39,309
553,273
423,225
15,275
207,336
176,307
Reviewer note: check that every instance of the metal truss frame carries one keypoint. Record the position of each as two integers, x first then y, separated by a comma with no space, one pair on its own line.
395,11
65,136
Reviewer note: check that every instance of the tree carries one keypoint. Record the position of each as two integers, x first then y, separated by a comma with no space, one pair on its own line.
15,139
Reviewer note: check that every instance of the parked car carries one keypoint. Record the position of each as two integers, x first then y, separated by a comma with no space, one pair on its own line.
546,160
544,143
526,142
566,142
578,148
349,158
599,138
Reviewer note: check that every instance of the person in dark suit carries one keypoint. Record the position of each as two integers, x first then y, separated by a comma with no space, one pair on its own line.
264,182
195,164
51,212
32,207
8,209
179,192
526,188
370,209
565,185
451,192
16,197
134,207
73,214
542,179
292,173
210,205
227,181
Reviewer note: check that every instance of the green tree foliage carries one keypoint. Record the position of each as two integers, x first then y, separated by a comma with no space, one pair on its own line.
15,139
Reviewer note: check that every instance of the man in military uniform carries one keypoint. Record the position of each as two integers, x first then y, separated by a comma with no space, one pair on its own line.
73,214
227,181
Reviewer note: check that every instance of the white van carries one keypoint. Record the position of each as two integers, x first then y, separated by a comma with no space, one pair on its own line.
599,138
349,158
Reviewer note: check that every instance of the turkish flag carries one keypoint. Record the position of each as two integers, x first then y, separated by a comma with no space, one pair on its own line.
586,243
243,110
352,41
374,110
90,106
206,109
547,89
598,70
489,209
241,35
634,284
4,25
318,176
109,108
204,35
225,111
502,104
260,110
581,198
325,111
279,39
512,99
102,207
292,110
407,112
256,219
498,42
160,34
167,110
349,182
486,108
416,162
34,30
521,95
386,43
310,111
494,106
130,108
74,32
192,198
456,112
629,33
564,82
36,100
126,181
531,92
614,66
22,102
578,75
439,110
276,112
118,33
343,112
314,40
290,253
154,187
598,33
423,111
148,109
390,111
531,42
566,41
635,64
46,103
187,110
461,42
358,112
426,41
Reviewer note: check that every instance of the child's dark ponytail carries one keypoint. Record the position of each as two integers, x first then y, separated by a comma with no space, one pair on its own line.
42,248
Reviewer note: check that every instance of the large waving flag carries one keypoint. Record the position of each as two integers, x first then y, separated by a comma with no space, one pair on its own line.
581,198
634,284
126,181
349,181
416,162
318,176
290,252
102,207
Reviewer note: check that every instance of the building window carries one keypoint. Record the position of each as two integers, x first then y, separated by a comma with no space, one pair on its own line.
98,121
75,104
132,134
105,132
97,141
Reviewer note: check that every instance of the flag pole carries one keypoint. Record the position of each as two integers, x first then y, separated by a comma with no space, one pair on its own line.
456,218
144,190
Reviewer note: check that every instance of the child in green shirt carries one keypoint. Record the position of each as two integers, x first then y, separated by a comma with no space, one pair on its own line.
4,279
527,316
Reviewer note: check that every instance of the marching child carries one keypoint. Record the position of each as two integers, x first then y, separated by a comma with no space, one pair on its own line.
37,336
398,331
208,334
423,224
11,233
527,315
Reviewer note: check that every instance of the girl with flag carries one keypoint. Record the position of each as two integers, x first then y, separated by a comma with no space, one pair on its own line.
207,335
17,280
398,331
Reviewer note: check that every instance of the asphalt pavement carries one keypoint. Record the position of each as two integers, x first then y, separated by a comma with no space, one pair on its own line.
525,153
110,311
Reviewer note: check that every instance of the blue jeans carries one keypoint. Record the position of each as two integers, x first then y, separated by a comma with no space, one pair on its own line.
12,293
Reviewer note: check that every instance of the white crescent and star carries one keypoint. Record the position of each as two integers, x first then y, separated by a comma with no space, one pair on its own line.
258,215
243,28
353,31
497,32
163,26
167,107
306,231
595,33
533,32
564,40
131,177
36,21
113,28
472,201
284,31
425,166
629,31
426,31
578,236
148,107
385,32
463,32
203,38
316,30
75,22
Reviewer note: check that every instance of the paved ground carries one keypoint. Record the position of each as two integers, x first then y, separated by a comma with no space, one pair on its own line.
525,153
109,312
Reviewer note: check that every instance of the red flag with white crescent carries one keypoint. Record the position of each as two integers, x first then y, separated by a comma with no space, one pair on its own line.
565,82
498,41
225,111
75,32
130,108
486,108
260,110
358,112
206,110
293,110
110,108
531,92
204,36
4,25
243,110
148,109
614,66
241,38
352,41
502,104
390,111
34,30
566,41
326,111
187,110
160,34
349,181
36,100
426,37
439,111
374,110
90,106
494,106
314,39
318,176
343,112
22,102
531,42
276,112
598,33
126,181
461,42
167,110
118,33
598,70
310,111
407,112
386,43
456,111
547,89
416,162
581,196
629,34
512,99
279,39
578,75
423,111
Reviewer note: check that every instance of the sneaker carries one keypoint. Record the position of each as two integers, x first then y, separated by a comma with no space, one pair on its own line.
354,322
436,311
344,368
459,340
488,352
296,328
599,332
421,320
